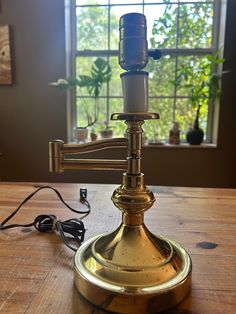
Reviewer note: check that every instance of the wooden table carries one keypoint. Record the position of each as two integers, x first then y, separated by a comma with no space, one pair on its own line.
36,270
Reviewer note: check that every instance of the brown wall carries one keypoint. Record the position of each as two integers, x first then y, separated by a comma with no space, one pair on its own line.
31,113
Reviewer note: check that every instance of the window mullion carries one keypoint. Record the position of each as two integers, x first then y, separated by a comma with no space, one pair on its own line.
108,60
215,46
176,63
216,24
164,52
70,45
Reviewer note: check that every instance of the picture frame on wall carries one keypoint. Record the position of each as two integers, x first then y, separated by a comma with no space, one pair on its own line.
5,56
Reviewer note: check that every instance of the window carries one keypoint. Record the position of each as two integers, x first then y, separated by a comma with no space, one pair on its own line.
185,31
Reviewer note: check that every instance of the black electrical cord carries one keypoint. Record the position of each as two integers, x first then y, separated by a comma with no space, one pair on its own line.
71,230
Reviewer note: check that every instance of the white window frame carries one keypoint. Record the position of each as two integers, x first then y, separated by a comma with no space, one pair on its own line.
71,54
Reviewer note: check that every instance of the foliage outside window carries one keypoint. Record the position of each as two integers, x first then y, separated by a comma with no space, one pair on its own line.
185,31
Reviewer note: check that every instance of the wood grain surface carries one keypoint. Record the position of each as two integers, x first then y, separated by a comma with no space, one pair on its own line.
36,270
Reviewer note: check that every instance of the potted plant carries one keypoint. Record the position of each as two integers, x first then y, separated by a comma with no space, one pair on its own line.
93,135
203,84
100,73
106,132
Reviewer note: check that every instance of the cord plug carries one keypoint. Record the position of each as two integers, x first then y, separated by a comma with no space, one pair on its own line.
83,193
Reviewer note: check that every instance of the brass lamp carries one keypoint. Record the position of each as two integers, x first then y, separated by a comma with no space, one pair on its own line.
129,270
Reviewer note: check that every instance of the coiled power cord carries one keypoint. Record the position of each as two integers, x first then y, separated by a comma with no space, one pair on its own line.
71,230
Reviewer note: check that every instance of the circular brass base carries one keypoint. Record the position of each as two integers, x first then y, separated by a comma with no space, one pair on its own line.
117,278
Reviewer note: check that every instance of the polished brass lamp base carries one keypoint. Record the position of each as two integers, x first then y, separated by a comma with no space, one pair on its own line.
132,271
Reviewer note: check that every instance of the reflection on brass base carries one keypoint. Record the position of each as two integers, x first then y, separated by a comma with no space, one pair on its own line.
132,271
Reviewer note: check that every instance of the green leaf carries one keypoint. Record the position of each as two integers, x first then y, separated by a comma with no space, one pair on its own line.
85,81
220,60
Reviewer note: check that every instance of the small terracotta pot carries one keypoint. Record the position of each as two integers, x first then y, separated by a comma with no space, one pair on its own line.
93,136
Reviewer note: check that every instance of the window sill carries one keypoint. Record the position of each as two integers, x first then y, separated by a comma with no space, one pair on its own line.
181,146
162,145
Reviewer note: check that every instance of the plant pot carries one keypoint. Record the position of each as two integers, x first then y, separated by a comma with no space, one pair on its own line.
80,134
107,133
93,136
195,136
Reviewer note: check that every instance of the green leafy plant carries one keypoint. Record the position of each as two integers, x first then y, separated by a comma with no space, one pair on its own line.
100,73
201,82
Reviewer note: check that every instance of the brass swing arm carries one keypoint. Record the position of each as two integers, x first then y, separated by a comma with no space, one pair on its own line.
59,153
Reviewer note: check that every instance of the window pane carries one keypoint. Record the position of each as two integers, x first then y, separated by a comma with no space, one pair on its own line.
85,111
116,105
83,67
159,129
115,82
184,115
102,117
195,25
92,28
116,13
118,127
197,69
161,73
162,25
